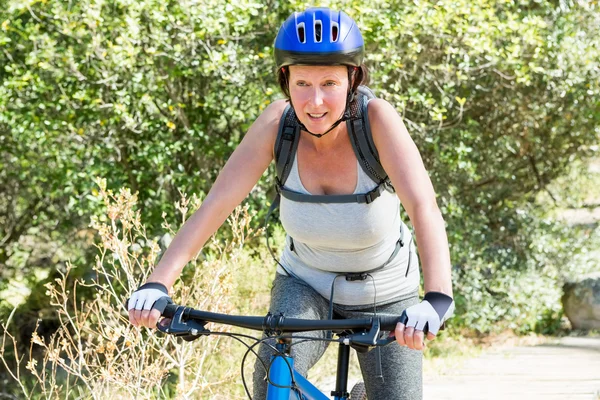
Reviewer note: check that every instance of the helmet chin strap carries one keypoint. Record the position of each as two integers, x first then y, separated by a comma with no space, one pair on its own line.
345,116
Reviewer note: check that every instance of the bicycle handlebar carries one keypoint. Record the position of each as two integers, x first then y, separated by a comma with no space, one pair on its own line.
189,324
280,323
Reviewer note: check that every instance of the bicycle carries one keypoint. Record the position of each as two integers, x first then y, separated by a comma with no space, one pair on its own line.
284,383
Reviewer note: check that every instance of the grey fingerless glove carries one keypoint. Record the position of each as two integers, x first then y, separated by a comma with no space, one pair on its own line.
152,295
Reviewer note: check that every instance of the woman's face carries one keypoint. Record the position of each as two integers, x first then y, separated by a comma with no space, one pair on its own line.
318,94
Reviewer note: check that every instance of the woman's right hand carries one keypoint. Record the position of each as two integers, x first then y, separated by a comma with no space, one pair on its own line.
147,304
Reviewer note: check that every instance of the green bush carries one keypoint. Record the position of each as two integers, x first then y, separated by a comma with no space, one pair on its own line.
500,96
150,95
502,99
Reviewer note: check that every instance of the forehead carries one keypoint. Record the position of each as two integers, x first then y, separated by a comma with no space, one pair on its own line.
318,71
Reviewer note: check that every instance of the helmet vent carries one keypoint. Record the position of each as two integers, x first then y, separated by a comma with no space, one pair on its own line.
318,33
334,31
301,32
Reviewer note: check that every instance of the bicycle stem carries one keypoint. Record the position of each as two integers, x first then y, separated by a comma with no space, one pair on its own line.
341,382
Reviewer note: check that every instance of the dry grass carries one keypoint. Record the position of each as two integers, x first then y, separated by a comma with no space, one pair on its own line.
96,353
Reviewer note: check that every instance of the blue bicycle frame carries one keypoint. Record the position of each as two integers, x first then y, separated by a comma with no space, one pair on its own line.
282,370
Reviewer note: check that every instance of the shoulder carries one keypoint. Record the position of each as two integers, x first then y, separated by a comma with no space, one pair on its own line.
381,110
272,114
267,123
277,107
384,121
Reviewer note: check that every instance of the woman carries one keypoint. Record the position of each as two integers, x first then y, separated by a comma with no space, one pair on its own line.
319,56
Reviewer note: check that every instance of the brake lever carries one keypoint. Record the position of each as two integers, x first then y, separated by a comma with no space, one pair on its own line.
179,327
367,339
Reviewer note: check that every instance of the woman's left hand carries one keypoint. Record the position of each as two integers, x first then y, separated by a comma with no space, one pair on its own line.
426,317
411,337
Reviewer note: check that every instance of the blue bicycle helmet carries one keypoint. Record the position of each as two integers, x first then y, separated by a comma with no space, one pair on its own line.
319,36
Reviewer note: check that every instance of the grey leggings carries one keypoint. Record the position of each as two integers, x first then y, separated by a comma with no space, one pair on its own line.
401,367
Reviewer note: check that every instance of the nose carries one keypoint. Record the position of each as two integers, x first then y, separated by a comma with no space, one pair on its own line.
317,97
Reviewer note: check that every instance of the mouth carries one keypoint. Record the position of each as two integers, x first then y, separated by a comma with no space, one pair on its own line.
316,117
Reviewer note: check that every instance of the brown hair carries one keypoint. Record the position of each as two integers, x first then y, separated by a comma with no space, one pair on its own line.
357,75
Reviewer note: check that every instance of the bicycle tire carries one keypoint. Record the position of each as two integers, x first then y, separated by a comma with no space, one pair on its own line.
358,392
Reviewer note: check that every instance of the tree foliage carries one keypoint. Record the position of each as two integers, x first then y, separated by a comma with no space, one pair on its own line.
500,96
150,95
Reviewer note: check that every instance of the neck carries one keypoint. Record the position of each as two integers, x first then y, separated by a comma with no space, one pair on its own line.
325,143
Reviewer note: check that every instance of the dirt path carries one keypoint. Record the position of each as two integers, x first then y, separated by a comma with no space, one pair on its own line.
568,368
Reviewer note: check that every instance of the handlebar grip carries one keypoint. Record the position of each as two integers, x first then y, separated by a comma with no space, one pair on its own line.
403,318
170,310
388,323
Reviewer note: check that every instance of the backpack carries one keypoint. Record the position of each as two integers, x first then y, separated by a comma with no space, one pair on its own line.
361,138
359,129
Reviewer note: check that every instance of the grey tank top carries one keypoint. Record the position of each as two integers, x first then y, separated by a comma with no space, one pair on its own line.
333,238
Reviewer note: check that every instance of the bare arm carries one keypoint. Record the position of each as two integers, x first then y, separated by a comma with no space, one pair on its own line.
237,178
402,162
239,175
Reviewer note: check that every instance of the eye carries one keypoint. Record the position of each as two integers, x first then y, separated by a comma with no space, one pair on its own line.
331,83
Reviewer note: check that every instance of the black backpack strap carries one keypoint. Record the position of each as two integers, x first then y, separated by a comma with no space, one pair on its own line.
286,144
361,138
359,129
365,198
